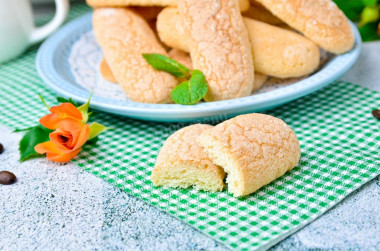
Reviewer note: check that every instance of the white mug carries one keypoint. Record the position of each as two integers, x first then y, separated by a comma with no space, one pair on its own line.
17,30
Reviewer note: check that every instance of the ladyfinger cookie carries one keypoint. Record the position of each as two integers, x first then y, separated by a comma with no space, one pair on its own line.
243,4
281,53
124,36
171,30
253,150
319,20
276,52
183,163
260,79
219,47
106,72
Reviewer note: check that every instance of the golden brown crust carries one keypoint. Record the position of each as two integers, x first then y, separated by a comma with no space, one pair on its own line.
253,149
243,4
124,36
183,163
220,49
106,72
320,20
276,52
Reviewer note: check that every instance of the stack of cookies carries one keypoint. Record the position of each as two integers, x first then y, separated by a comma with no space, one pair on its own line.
235,43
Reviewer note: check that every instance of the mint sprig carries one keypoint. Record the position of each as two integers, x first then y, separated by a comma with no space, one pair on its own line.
164,63
190,91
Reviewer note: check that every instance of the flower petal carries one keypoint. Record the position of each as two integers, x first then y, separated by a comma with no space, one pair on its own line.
62,111
57,138
83,136
46,147
73,127
50,121
63,157
67,110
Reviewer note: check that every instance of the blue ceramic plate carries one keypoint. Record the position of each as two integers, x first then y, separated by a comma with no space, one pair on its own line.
68,63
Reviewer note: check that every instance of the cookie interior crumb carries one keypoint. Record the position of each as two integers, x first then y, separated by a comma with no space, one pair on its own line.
182,163
183,175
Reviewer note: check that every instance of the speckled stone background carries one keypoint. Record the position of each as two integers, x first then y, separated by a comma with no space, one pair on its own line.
62,207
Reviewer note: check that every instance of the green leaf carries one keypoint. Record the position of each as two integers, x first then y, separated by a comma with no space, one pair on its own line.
192,91
23,129
181,94
369,14
34,136
369,2
163,63
369,32
93,141
351,8
96,129
65,100
84,109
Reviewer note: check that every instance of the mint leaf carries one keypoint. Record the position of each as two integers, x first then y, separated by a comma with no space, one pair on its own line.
192,91
164,63
67,100
181,94
96,129
34,136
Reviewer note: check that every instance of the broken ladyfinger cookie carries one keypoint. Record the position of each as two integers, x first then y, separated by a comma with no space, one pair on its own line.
253,149
183,163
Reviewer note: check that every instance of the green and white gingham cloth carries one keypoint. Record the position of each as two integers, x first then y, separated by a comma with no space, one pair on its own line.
340,143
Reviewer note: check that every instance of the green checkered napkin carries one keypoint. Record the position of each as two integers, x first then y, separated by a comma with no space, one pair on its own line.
340,152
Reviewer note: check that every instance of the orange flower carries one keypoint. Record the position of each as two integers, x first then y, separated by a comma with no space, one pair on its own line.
60,112
66,141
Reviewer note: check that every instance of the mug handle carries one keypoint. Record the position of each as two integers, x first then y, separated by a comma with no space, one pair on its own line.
40,33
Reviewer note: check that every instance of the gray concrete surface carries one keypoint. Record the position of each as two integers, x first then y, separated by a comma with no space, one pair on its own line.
61,207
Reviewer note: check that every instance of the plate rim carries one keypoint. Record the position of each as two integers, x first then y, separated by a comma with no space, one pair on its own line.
162,112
